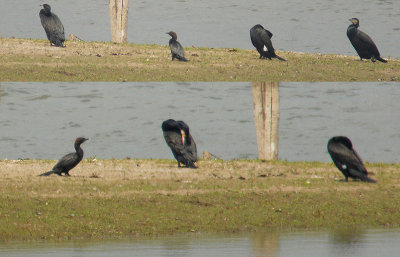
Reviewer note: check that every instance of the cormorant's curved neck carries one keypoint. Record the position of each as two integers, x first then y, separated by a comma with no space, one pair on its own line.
352,30
79,150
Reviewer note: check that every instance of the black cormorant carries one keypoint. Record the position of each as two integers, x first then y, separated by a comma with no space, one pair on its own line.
261,39
346,159
179,139
69,161
176,48
363,44
52,26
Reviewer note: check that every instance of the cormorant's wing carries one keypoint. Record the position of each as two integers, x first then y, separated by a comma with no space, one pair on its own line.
176,48
343,157
191,150
174,141
265,38
257,36
336,155
53,26
365,43
269,33
66,162
361,166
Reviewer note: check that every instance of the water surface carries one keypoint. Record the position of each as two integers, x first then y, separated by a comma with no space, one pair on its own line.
41,120
298,25
268,244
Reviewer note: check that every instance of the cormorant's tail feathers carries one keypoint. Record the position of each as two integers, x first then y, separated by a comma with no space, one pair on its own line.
183,59
367,179
280,58
47,173
381,60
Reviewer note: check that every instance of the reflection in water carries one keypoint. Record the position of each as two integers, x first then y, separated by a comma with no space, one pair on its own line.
349,236
264,244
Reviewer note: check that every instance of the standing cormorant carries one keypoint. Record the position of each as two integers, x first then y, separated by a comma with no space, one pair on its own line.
52,26
261,39
176,48
69,161
363,44
346,159
179,139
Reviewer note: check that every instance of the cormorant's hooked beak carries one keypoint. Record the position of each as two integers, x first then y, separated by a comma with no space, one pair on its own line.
354,21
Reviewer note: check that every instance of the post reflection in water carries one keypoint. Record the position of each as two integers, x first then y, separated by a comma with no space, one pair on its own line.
265,244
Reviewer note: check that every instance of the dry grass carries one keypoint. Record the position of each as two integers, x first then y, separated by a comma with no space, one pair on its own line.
35,60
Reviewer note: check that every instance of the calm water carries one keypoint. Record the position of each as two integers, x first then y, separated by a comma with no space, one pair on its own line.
41,120
362,243
123,119
298,25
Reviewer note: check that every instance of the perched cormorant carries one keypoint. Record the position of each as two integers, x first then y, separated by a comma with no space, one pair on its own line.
52,26
176,48
179,139
69,161
363,44
346,159
261,39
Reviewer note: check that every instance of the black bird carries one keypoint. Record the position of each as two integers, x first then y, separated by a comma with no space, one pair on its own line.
52,26
69,161
363,44
347,159
176,48
261,39
179,139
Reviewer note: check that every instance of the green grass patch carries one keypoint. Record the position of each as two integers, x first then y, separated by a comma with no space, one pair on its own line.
153,197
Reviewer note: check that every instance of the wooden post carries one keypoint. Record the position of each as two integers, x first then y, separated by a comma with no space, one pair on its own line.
118,19
266,118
